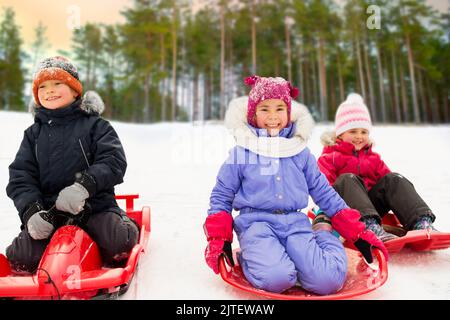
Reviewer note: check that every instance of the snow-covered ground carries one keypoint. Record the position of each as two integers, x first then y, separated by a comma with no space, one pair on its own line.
173,167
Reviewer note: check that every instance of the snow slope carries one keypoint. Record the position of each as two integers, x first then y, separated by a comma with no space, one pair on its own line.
173,167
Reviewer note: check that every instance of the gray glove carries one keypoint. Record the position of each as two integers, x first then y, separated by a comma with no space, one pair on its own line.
72,199
38,228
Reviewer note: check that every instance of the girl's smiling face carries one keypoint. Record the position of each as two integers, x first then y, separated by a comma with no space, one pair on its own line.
272,115
359,137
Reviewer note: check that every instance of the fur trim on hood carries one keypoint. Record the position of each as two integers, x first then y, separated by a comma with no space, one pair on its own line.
276,147
91,103
328,139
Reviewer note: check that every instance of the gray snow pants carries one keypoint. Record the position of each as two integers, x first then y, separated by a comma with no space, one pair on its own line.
392,192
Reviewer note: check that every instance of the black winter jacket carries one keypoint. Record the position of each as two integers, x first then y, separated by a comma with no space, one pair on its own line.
60,145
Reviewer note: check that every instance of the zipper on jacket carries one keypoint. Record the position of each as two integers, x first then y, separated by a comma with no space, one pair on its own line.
36,151
359,160
84,153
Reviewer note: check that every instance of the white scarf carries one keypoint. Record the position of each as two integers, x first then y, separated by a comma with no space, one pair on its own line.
273,147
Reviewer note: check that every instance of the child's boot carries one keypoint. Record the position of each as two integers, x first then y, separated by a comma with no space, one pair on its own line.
424,223
375,227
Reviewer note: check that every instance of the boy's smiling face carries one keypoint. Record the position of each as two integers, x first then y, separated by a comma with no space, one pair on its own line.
359,137
55,94
272,115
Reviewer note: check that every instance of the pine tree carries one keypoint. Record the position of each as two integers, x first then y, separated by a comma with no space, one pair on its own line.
111,50
40,44
163,47
87,46
11,57
141,51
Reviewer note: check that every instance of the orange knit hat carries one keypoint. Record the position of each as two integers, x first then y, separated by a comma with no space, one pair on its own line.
56,68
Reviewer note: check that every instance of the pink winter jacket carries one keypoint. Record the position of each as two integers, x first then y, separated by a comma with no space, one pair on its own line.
339,157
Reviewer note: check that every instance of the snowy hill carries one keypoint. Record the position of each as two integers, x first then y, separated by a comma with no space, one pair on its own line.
173,167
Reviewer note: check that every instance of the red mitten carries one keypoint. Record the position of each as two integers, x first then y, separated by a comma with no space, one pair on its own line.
218,229
347,223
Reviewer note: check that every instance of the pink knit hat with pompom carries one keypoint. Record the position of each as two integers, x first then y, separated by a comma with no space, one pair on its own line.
352,114
268,88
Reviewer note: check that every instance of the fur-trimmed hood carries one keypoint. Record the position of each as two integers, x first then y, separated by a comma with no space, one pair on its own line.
278,147
91,103
328,138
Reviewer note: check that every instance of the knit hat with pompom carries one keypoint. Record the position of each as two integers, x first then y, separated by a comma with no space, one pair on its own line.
352,114
56,68
268,88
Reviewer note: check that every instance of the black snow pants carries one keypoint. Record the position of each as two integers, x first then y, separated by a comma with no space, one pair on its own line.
115,235
392,192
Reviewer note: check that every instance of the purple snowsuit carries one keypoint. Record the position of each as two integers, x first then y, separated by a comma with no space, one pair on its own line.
278,245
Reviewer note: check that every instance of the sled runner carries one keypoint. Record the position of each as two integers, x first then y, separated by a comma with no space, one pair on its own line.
360,279
419,240
71,266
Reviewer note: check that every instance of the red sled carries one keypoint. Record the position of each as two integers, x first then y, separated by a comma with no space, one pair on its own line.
71,266
418,240
360,279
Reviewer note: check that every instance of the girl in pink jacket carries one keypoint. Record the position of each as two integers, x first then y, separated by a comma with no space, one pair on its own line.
362,179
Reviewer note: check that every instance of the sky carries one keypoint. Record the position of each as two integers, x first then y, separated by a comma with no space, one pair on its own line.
62,16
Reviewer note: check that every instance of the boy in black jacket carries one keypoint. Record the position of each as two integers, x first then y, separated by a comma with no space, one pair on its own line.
70,159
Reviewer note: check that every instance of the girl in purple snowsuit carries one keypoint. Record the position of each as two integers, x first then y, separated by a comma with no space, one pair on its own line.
268,177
